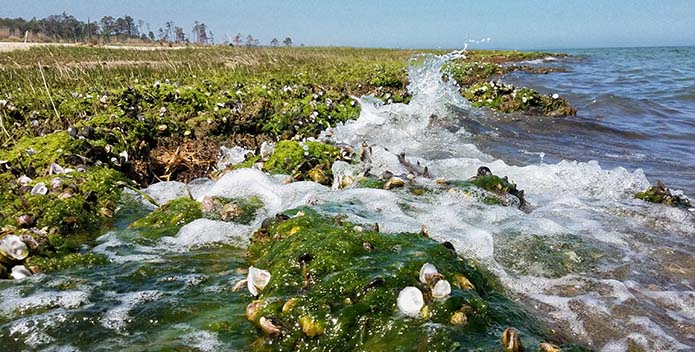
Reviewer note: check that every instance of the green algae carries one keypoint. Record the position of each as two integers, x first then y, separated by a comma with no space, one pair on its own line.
67,261
40,152
334,286
169,218
303,160
508,98
496,186
79,204
238,210
370,182
467,73
661,195
109,119
63,222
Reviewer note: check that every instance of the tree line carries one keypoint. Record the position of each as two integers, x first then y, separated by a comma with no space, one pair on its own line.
67,28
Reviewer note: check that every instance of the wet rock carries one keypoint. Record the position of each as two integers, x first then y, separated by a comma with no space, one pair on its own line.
662,195
374,288
303,161
239,210
508,98
501,190
169,218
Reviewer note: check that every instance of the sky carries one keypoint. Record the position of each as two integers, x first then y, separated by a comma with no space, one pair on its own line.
446,24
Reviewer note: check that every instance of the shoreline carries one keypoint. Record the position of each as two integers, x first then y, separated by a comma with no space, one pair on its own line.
75,145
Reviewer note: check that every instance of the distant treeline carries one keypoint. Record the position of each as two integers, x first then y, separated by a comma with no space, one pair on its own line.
67,28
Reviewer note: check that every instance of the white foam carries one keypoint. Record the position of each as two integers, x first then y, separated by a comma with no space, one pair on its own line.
163,192
118,318
15,304
203,232
231,156
61,348
32,329
203,341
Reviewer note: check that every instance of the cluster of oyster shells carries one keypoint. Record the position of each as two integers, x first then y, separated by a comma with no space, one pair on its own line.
411,301
13,250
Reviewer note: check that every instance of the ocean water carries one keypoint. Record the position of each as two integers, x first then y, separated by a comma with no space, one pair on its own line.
636,109
600,267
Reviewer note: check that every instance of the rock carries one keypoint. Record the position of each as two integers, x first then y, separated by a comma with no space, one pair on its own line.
369,281
662,195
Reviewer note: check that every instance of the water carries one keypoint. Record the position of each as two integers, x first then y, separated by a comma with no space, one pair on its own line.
602,268
636,109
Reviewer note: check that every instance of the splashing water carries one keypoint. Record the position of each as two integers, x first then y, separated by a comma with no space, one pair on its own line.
604,269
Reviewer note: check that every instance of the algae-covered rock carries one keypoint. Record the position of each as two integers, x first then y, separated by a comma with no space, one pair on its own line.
303,160
169,218
468,73
239,210
172,216
662,195
500,191
78,201
507,98
335,286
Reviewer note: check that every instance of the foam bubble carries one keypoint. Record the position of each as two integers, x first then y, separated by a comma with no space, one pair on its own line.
118,318
15,304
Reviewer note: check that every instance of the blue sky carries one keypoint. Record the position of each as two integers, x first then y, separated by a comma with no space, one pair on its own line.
407,23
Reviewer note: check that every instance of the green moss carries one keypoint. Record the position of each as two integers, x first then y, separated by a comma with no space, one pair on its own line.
342,284
467,73
507,98
497,186
169,218
69,215
40,152
303,160
368,182
662,195
67,261
239,210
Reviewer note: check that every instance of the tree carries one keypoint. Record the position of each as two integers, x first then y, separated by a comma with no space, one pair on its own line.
250,41
274,43
130,29
161,34
237,39
120,28
200,32
92,30
287,42
107,24
169,28
180,35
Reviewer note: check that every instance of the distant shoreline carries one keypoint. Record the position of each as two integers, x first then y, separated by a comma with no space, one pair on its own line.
11,46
